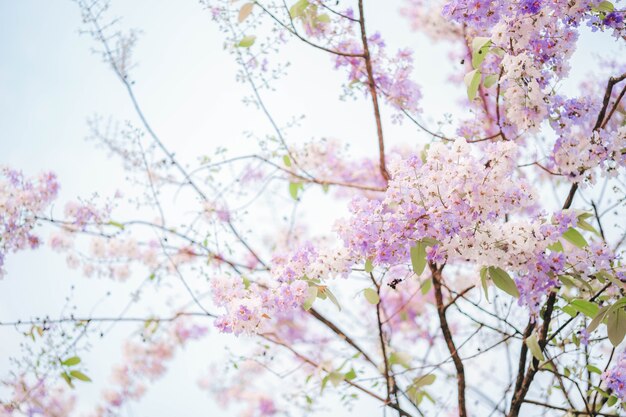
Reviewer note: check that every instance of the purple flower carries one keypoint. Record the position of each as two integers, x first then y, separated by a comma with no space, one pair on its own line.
530,6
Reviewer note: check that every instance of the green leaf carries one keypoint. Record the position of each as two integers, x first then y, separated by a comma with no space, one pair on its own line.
472,81
424,381
371,296
335,378
400,358
368,266
287,160
294,187
483,280
480,49
67,379
426,286
323,18
585,307
74,360
418,258
332,298
245,11
79,375
605,6
480,41
503,281
567,281
594,369
350,375
556,246
298,9
247,41
117,224
533,346
570,311
599,318
611,401
584,225
429,241
324,382
246,282
574,237
490,80
311,297
616,326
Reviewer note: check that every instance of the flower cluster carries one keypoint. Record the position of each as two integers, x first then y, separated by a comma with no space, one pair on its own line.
36,399
250,306
21,201
327,161
576,157
391,74
615,377
452,196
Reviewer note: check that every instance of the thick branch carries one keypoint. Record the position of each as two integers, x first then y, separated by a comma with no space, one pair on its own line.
447,335
373,93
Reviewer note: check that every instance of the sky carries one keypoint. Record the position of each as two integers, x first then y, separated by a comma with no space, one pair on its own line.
51,83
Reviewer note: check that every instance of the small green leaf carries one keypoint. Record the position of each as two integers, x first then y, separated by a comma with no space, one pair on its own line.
371,296
503,281
585,307
594,369
480,49
298,9
335,378
472,81
574,237
423,381
400,358
569,311
287,160
533,346
350,375
483,280
429,241
311,297
584,225
79,375
247,41
324,382
368,266
567,281
426,286
490,80
611,401
117,224
556,246
246,282
599,318
323,18
616,326
294,187
67,379
332,298
480,41
74,360
418,258
605,6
